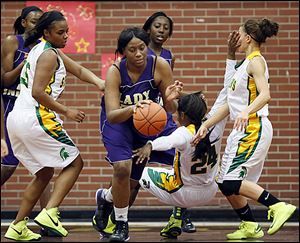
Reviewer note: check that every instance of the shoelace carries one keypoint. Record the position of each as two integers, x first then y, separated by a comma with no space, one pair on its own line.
243,226
25,230
270,214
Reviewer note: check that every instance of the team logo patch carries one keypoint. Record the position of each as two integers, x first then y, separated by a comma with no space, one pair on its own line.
243,172
64,154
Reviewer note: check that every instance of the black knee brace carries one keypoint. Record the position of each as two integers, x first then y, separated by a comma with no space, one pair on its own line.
229,188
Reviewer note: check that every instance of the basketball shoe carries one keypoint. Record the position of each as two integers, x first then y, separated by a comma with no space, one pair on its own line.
103,210
246,230
172,229
49,219
280,213
20,232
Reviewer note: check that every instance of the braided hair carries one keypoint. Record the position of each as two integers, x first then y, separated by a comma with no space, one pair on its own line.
195,108
43,23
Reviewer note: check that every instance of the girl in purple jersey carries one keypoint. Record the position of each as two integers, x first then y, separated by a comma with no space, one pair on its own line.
129,83
13,55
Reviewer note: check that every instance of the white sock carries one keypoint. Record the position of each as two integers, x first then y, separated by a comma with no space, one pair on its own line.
107,195
121,214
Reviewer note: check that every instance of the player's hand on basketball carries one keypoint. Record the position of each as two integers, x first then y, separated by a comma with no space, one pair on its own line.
241,121
173,91
140,104
201,133
143,153
75,115
4,148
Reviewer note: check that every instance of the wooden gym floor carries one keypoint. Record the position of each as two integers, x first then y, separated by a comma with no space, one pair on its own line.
149,232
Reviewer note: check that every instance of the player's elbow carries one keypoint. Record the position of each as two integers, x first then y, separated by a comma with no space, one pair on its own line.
36,94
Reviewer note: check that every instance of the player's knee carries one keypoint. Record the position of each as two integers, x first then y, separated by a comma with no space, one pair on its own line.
121,172
229,188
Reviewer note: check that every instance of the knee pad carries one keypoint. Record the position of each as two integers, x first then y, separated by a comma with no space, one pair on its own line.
228,188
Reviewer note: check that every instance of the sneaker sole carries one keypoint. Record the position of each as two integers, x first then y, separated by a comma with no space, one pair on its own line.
114,240
22,240
245,238
172,233
189,230
291,214
54,231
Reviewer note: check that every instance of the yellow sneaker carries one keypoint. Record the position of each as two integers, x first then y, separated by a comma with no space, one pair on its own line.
246,230
20,232
172,229
49,219
280,212
109,229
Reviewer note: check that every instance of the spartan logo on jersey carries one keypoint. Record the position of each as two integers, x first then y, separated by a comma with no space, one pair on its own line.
146,184
232,84
243,172
64,154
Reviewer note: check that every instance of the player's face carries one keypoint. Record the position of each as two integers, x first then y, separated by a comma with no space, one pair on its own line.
136,52
57,34
31,19
160,30
244,40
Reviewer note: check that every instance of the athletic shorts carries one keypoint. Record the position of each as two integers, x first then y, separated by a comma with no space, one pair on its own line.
185,196
245,152
38,139
10,159
121,139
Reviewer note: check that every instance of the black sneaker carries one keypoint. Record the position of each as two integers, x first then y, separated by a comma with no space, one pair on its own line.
187,225
121,234
103,210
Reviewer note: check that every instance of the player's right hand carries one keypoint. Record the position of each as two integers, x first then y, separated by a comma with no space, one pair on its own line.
75,115
201,133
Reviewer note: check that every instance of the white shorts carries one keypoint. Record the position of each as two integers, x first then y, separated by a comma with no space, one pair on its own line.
245,153
185,196
38,139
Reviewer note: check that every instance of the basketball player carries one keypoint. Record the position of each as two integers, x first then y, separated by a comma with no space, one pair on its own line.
131,81
36,116
13,55
159,26
250,139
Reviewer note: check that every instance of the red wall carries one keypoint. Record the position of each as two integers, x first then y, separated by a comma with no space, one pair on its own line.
199,44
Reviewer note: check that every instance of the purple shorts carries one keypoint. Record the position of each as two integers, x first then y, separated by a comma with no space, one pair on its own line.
122,138
10,159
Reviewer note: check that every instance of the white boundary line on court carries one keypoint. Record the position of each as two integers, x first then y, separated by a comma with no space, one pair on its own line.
161,224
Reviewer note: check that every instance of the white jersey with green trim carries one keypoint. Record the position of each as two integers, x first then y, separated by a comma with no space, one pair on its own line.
187,171
55,86
243,91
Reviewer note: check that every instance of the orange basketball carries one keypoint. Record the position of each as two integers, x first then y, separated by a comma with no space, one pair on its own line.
150,120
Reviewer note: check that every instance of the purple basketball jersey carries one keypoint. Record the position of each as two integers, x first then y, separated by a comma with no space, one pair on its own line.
120,139
9,96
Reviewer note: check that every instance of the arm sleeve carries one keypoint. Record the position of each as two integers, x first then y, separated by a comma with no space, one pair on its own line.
178,139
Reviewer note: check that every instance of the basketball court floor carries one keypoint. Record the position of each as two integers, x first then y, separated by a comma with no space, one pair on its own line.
149,232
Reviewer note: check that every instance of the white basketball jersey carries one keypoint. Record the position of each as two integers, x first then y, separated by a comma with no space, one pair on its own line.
242,90
55,86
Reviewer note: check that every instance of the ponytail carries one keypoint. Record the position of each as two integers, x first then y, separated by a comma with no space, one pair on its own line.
43,23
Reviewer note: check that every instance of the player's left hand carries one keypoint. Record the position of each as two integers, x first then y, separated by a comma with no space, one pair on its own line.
241,121
173,91
142,153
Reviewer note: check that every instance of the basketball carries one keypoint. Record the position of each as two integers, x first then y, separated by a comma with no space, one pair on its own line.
150,120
